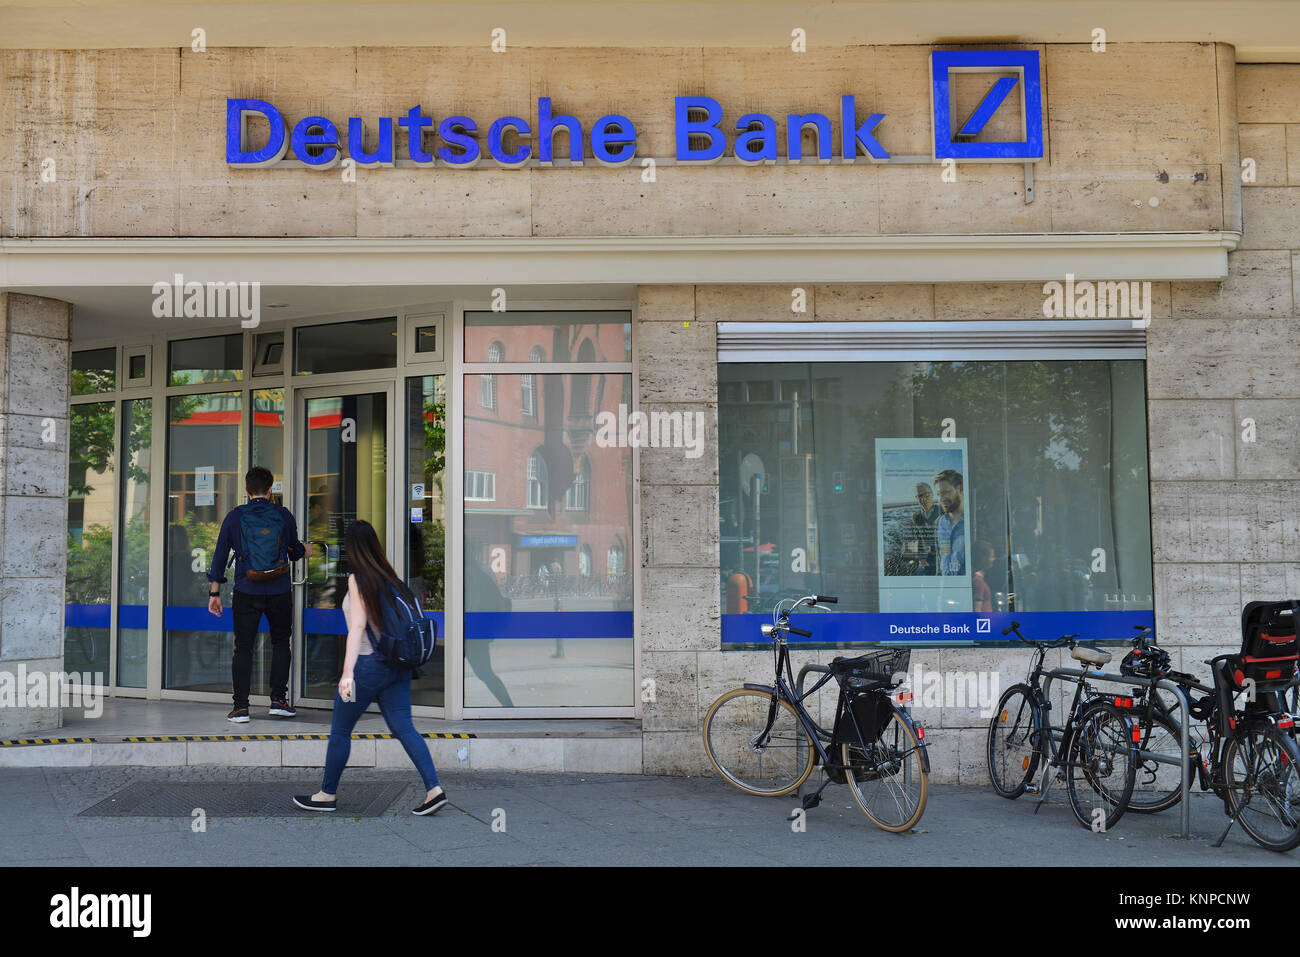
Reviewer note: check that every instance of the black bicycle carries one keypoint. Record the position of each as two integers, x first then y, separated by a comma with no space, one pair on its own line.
761,739
1158,717
1250,758
1096,757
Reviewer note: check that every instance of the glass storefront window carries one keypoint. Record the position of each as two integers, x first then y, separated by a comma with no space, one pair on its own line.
90,539
345,347
133,545
918,487
204,481
558,336
426,535
212,359
94,370
542,627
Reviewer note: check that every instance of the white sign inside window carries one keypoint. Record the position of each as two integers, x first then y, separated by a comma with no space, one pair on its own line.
204,487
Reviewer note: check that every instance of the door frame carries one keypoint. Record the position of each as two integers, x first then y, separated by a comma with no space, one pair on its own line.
387,387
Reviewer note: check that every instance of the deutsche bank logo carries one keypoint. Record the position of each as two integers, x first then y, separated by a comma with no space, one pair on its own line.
983,626
954,136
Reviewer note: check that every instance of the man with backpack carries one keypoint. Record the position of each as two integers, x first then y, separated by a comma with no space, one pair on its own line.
264,540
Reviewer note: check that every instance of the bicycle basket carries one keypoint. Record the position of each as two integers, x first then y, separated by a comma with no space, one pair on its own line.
875,668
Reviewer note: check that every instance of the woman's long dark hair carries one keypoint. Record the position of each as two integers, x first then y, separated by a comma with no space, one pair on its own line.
366,560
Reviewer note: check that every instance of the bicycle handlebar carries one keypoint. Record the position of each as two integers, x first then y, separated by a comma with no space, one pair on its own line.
798,631
1059,643
827,599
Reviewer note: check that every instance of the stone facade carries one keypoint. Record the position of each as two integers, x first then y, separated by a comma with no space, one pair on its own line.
1142,138
137,142
1224,531
33,494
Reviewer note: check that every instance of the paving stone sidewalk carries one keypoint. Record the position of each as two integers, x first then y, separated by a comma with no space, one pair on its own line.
577,819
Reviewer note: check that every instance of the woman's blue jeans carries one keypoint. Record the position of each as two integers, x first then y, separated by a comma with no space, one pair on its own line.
375,681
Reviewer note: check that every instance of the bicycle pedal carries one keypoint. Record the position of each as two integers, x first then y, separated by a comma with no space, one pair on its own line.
1031,788
811,801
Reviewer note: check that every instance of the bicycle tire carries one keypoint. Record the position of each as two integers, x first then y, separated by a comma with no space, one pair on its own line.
1169,777
1100,765
729,744
1017,722
887,767
1278,784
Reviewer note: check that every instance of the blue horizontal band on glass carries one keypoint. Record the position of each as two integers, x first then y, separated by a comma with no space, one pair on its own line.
330,621
196,618
924,629
86,616
548,624
97,616
133,616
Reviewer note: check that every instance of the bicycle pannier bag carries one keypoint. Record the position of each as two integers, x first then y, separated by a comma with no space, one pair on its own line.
261,536
407,639
873,712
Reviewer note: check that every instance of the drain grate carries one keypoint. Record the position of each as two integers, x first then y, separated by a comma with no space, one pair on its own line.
170,799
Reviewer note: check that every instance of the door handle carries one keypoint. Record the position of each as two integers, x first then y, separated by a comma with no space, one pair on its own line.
305,574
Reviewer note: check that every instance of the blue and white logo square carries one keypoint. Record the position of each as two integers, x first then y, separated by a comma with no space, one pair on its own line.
1016,89
983,626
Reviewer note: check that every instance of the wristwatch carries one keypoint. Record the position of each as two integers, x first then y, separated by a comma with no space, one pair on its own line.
215,594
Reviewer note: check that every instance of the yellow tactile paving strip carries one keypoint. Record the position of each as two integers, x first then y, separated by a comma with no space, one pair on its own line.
154,739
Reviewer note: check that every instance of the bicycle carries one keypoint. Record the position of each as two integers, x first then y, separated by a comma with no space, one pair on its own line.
1252,761
761,739
1159,744
1097,756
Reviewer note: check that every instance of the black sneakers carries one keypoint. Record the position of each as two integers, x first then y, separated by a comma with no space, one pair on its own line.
281,709
238,716
432,807
308,803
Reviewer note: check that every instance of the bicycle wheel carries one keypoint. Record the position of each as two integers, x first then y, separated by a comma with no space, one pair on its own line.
1101,766
1158,785
1260,768
767,768
886,775
1013,742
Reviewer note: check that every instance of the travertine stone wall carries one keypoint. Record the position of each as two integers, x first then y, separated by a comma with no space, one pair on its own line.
33,494
1225,530
138,143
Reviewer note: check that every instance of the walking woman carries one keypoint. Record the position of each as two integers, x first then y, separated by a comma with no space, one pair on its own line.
367,678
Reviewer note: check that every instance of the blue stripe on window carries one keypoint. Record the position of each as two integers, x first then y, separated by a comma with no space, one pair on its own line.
97,616
86,616
958,627
548,624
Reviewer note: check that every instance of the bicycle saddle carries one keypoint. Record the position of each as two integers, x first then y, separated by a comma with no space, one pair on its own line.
1093,656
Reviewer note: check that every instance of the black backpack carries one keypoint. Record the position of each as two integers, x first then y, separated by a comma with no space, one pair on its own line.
407,639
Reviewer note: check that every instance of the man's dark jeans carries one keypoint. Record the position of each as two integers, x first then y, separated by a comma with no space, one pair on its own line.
248,611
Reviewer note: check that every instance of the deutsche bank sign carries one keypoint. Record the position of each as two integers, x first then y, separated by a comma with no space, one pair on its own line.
1013,98
1026,83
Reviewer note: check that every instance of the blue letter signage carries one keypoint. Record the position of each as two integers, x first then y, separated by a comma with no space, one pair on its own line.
700,136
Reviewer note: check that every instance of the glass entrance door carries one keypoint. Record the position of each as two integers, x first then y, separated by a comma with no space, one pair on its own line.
347,465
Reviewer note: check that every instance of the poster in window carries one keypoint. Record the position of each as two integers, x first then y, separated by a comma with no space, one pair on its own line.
204,486
923,530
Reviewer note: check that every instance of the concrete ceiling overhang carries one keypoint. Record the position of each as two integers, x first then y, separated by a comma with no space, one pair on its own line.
1261,30
114,278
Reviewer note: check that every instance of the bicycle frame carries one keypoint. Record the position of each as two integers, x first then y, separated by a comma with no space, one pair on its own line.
783,689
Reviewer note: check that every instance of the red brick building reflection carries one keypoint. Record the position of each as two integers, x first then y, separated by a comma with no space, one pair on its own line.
548,510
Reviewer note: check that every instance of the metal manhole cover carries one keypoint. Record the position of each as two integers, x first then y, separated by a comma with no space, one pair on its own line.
169,799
